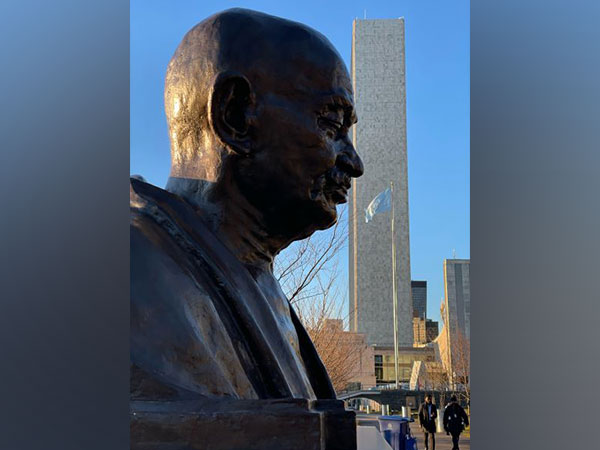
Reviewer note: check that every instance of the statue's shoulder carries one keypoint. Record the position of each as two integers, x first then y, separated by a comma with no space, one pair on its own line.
152,208
154,249
143,195
166,249
135,182
177,334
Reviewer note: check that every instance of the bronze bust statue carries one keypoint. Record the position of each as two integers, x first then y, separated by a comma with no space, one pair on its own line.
259,109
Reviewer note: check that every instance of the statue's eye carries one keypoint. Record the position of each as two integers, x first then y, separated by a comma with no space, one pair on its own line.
330,124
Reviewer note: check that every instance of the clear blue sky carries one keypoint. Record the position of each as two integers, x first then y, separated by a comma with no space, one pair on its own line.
437,82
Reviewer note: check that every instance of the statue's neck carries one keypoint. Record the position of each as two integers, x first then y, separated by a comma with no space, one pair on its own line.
237,223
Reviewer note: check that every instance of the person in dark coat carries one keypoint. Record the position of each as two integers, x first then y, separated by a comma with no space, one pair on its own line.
427,417
455,420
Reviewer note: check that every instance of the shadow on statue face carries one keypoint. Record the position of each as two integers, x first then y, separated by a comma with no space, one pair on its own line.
301,161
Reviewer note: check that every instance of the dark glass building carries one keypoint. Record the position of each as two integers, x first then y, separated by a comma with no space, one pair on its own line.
419,298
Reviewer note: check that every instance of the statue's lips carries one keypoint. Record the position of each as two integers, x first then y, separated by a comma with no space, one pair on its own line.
338,193
334,187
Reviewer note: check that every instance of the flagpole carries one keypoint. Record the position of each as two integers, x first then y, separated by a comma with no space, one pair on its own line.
395,293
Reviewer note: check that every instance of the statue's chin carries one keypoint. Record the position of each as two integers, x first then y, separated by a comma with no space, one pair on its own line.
327,215
301,218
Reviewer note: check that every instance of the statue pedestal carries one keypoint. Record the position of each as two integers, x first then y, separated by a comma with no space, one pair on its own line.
224,424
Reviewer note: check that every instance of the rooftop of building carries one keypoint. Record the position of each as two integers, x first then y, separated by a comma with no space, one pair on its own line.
457,261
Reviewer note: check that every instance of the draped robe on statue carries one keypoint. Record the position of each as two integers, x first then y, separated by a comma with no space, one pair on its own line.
200,324
212,350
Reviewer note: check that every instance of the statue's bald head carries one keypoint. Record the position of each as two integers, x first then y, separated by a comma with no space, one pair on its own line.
259,112
243,54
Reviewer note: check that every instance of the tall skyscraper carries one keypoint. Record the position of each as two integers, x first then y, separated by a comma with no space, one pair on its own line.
378,75
457,287
419,298
454,341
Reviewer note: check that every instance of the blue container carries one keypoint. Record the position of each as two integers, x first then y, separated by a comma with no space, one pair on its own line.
396,432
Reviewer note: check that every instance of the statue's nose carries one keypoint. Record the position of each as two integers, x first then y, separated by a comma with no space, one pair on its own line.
350,162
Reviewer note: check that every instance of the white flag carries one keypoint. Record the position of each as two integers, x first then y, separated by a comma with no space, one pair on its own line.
380,204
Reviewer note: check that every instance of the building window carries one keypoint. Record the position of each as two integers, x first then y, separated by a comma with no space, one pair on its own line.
378,368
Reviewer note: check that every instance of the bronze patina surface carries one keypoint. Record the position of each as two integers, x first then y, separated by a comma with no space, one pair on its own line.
259,110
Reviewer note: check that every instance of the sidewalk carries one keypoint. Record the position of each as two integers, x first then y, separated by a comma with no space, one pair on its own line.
442,442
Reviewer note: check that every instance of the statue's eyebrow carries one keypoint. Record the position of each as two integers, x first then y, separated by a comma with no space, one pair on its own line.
341,102
352,119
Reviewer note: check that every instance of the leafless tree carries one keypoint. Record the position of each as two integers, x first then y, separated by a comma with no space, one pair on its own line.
299,266
307,272
438,378
461,364
339,350
431,376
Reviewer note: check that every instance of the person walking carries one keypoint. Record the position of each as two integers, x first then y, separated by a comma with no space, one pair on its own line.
427,416
455,420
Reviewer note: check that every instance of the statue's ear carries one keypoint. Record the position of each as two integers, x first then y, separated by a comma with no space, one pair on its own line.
231,111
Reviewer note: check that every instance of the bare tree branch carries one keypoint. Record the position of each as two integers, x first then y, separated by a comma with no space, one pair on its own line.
299,265
461,364
307,272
